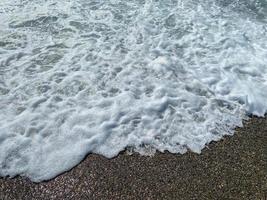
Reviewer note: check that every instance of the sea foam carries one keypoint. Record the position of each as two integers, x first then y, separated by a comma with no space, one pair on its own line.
79,77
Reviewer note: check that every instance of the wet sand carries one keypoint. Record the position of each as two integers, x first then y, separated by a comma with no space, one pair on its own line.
233,168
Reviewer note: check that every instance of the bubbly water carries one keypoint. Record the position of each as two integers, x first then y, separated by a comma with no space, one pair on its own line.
100,76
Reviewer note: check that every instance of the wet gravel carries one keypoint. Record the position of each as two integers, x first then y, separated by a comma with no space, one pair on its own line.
233,168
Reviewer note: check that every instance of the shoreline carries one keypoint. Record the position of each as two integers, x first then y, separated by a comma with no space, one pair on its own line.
235,167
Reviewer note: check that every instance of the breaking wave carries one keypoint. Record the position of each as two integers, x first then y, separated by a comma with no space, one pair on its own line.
79,77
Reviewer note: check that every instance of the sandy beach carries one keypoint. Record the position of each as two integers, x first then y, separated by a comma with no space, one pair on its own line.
233,168
84,84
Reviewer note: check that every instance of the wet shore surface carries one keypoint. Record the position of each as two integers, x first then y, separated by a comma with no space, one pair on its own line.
233,168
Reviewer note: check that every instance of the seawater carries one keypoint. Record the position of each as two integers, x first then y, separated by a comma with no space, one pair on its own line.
100,76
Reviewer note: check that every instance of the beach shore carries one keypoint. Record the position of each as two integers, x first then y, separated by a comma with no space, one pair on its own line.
233,168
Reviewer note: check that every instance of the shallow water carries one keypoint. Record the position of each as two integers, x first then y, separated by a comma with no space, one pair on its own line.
98,76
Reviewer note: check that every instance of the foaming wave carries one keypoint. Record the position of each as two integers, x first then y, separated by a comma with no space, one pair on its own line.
79,77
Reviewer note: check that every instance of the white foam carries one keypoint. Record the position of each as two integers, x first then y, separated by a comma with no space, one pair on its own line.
79,77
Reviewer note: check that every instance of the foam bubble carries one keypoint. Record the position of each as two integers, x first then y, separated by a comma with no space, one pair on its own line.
79,77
